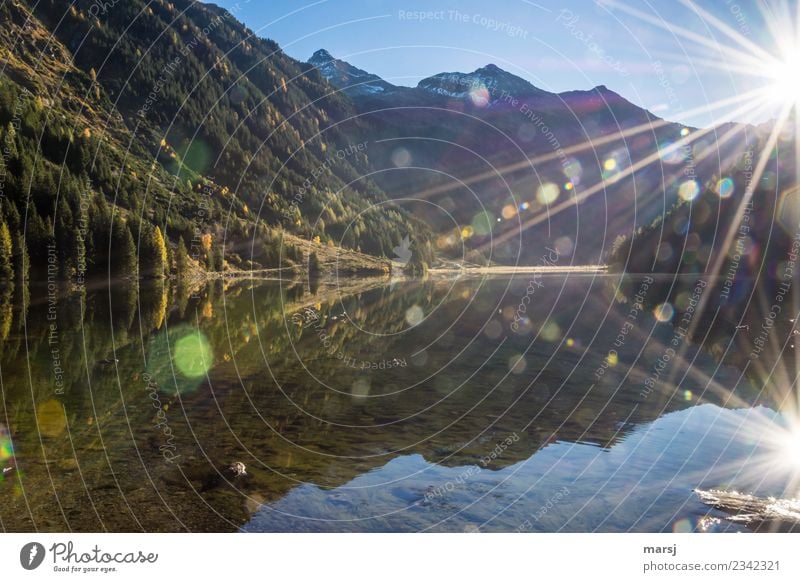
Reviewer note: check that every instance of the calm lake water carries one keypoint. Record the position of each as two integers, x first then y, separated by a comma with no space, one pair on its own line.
566,403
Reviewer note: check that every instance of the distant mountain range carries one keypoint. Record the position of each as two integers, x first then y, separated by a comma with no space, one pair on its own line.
580,169
356,82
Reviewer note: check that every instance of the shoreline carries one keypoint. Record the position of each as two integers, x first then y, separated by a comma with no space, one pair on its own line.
502,270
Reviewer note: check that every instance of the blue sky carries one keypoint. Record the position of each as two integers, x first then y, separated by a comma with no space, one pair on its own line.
558,46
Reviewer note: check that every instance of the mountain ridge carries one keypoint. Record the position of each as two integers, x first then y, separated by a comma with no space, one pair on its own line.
591,140
489,76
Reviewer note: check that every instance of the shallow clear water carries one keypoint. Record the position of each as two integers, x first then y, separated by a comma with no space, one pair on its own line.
438,405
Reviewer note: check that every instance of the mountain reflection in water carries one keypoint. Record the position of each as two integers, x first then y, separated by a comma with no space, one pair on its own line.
434,405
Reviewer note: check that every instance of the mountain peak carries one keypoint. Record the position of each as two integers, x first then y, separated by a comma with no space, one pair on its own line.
346,77
492,78
321,55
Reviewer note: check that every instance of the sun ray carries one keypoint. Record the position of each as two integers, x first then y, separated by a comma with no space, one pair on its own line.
748,193
755,50
733,227
695,374
598,187
593,143
710,64
687,34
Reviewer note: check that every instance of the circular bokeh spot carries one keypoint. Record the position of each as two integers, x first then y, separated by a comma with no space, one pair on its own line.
547,193
414,315
724,188
689,190
193,355
50,417
663,312
482,223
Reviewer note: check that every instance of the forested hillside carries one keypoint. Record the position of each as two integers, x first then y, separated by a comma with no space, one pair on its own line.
134,132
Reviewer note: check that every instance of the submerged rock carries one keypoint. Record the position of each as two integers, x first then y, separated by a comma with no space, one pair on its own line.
229,474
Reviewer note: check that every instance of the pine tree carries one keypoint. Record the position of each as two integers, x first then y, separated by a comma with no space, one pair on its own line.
66,241
152,251
22,260
169,254
161,253
206,242
10,141
97,240
314,267
217,259
38,236
181,259
123,251
95,84
6,254
80,233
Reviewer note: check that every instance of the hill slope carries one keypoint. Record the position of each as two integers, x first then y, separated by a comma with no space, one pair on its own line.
173,115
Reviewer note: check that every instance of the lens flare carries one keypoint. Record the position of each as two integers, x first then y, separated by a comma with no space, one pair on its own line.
517,364
360,388
414,315
482,223
671,153
724,188
564,245
551,331
6,450
50,418
401,158
573,170
193,355
663,312
479,96
547,193
683,526
689,190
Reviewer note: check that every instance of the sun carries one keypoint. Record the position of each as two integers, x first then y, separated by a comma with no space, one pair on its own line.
784,76
790,447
